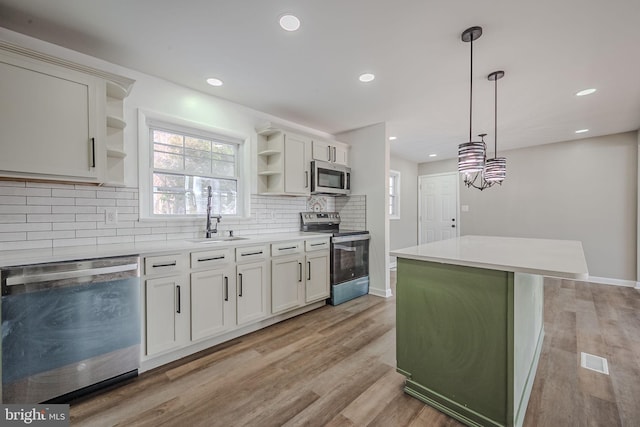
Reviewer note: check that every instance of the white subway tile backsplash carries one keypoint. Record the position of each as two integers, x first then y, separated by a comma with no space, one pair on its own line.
74,242
23,191
24,209
90,194
25,244
12,218
74,209
50,217
96,233
10,237
43,235
40,215
95,202
24,226
90,217
74,225
50,201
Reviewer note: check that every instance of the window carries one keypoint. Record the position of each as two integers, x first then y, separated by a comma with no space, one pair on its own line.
184,163
394,194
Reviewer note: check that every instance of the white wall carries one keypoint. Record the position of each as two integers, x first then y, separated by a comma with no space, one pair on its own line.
583,190
403,232
369,156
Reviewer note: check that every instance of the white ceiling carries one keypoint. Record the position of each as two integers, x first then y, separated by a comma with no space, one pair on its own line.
549,50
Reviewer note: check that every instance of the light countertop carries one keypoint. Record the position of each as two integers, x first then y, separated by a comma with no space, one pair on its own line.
555,258
71,253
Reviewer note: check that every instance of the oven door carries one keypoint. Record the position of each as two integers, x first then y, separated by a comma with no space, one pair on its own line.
349,257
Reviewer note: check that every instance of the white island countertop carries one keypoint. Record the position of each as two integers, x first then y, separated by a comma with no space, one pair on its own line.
555,258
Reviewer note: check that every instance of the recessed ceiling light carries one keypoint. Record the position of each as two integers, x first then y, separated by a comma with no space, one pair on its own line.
582,130
432,155
214,82
393,138
366,77
289,22
585,92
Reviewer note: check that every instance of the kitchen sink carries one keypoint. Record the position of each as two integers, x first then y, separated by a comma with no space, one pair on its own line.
218,239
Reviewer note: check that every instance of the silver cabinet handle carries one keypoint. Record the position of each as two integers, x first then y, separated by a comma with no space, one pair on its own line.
318,244
178,298
168,264
45,277
226,288
329,148
335,157
240,283
306,179
287,248
251,253
211,258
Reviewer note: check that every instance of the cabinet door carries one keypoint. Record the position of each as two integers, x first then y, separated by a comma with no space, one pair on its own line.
286,283
251,292
165,305
212,303
321,151
341,154
296,166
317,281
50,126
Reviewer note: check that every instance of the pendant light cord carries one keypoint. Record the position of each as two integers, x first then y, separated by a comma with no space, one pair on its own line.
471,90
495,118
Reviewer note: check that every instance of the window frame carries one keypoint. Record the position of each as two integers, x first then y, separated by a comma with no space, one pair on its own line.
394,207
148,121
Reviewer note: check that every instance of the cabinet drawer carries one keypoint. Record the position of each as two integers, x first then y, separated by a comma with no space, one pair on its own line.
164,264
210,258
286,248
251,253
316,245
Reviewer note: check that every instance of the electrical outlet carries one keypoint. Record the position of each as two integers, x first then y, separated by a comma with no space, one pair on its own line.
110,215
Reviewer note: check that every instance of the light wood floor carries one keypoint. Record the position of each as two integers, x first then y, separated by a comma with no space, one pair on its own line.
335,367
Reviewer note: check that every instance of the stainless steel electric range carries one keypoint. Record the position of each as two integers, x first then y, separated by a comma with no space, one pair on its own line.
349,255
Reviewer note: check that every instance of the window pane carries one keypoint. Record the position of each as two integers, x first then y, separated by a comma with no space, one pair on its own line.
198,165
167,138
197,143
168,161
187,195
224,169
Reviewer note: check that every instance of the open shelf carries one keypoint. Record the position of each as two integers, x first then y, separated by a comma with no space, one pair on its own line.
116,91
115,122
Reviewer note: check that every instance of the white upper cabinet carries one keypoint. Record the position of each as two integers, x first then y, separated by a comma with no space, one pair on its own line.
53,119
48,121
284,162
331,151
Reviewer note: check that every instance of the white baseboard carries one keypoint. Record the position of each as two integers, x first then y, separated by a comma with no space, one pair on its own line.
615,282
380,292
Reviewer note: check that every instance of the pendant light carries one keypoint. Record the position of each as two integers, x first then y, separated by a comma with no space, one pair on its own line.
471,154
477,180
495,169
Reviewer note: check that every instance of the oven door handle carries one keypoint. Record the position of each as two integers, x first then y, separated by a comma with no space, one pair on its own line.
354,238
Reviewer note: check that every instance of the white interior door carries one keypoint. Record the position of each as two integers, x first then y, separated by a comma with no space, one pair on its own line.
438,207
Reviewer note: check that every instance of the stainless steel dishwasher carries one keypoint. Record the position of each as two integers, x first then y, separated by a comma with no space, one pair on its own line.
69,328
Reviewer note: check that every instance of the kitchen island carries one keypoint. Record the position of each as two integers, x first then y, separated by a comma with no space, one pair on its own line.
469,321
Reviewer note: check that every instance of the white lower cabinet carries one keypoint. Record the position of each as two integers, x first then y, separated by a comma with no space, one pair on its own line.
287,278
196,297
167,314
317,280
213,302
252,290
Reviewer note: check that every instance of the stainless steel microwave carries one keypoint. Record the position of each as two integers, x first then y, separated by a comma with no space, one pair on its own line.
329,178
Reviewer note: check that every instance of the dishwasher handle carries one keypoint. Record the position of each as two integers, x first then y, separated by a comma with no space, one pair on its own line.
64,275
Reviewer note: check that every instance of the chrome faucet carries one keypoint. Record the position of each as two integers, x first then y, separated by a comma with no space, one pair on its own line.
209,231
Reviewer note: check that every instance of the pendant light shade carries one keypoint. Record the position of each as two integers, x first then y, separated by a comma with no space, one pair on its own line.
471,154
471,157
495,169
